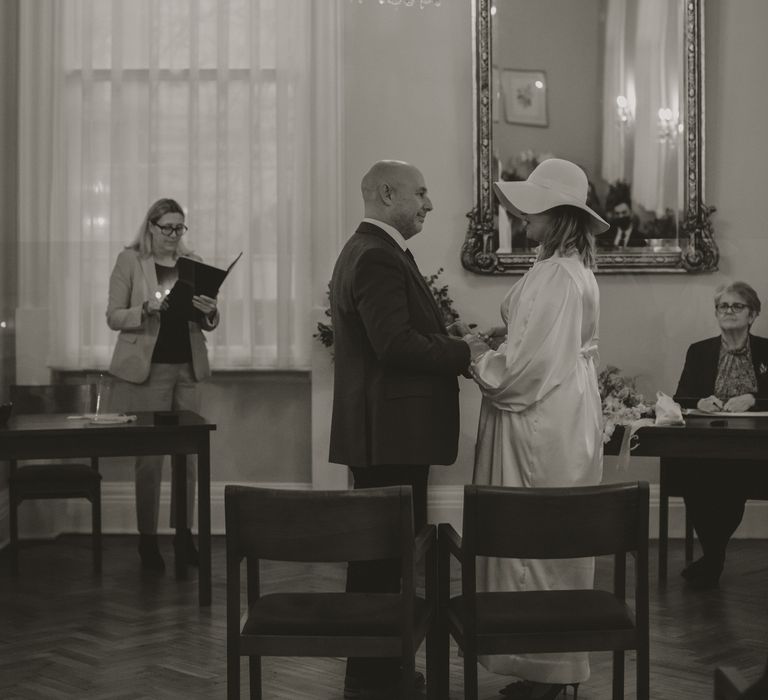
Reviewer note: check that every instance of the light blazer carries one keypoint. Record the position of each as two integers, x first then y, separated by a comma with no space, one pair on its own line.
134,281
395,392
700,371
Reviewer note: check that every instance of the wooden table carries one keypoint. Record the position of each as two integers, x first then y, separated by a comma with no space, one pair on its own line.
45,436
710,437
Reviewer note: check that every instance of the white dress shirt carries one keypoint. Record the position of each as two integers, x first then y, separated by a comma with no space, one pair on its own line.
393,233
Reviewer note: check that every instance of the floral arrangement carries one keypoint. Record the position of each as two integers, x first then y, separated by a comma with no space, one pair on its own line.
622,402
440,293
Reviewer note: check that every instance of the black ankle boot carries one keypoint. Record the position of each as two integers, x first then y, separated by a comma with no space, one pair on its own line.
694,569
707,575
151,559
190,551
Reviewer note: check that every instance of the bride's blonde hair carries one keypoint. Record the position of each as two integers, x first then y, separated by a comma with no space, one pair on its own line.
569,234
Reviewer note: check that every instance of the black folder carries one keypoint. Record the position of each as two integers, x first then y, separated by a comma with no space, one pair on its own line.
195,278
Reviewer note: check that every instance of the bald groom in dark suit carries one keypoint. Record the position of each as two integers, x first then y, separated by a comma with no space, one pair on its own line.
395,401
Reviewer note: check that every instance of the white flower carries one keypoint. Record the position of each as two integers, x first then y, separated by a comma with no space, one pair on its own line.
622,403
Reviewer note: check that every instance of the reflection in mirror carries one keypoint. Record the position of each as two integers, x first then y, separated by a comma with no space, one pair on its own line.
613,85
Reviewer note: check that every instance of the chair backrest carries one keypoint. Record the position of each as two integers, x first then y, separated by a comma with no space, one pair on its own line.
731,685
318,526
53,398
555,523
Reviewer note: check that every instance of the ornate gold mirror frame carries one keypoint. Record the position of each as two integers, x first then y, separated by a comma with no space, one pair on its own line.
697,251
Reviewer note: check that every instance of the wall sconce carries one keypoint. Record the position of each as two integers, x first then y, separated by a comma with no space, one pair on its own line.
623,111
669,125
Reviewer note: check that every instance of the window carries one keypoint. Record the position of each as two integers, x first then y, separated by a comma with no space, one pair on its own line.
204,101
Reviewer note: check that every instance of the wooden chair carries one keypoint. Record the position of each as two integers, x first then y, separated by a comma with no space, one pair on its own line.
54,479
548,523
731,685
327,526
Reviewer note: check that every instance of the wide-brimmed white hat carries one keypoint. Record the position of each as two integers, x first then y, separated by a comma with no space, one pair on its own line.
553,183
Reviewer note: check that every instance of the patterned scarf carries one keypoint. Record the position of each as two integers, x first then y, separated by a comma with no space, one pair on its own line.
735,372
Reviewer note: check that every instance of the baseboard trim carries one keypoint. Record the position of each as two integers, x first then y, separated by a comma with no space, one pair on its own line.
48,519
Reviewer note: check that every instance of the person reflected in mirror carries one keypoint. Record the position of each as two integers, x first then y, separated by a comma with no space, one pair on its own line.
541,419
625,228
625,225
160,356
727,373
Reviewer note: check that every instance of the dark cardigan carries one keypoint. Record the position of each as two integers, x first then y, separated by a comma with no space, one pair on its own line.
700,371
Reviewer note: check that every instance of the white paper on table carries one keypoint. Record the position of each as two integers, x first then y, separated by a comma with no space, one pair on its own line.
724,414
105,418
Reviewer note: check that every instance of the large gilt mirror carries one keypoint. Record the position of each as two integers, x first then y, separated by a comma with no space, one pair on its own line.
615,86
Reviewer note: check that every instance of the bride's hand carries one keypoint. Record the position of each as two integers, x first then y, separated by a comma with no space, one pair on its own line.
494,336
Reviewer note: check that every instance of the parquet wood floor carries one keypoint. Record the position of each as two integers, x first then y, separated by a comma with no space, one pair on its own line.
65,633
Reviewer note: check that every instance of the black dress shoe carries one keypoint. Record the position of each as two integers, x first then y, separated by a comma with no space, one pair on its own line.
703,574
190,551
149,552
705,581
356,689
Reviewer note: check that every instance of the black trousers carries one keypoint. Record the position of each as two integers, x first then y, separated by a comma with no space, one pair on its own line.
715,492
383,575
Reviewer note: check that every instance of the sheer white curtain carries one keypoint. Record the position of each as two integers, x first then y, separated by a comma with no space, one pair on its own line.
658,66
210,102
618,82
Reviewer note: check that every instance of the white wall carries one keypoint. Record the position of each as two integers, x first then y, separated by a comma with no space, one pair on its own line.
408,87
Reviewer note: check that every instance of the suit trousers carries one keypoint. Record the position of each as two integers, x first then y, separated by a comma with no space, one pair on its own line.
715,492
170,387
383,575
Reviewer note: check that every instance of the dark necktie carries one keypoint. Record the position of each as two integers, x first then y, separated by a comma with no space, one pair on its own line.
425,286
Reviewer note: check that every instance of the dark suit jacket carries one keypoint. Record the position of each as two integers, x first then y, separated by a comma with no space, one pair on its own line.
700,371
395,398
605,240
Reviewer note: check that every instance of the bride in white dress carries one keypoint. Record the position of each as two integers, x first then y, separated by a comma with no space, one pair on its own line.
541,419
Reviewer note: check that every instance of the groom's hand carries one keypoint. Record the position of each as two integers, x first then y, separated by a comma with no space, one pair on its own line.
458,329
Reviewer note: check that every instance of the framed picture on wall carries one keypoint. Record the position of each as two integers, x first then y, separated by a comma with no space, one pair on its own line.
525,96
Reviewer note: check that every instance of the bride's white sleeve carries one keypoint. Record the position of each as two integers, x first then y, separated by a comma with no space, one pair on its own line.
543,342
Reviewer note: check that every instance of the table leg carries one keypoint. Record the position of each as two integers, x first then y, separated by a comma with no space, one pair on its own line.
663,532
688,538
179,481
204,517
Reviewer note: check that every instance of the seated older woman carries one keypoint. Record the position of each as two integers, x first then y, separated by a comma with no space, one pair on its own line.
726,373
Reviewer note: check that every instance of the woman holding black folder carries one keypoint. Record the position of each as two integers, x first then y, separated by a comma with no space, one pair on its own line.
160,355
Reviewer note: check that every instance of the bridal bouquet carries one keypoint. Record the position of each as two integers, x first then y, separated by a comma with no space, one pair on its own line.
622,402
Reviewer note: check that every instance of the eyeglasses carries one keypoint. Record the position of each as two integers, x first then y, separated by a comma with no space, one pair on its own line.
730,308
168,230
